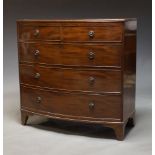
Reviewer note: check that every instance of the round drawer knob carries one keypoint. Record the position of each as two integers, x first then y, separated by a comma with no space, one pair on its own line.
91,105
38,99
91,55
36,32
91,80
36,52
37,76
91,34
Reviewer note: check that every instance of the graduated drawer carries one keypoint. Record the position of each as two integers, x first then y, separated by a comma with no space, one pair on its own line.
107,33
71,78
96,106
27,33
71,54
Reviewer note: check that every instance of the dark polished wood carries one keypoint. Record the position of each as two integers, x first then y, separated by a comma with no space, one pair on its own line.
79,70
71,31
58,103
71,78
129,78
71,54
36,33
99,33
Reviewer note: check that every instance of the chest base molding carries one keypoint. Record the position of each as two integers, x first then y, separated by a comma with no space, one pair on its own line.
117,126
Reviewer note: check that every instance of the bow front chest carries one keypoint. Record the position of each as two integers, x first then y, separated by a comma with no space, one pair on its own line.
78,70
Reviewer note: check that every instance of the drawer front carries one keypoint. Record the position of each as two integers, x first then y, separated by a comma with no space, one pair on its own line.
100,34
71,54
97,106
39,33
71,79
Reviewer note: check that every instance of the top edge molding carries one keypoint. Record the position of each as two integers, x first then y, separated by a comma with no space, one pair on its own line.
77,20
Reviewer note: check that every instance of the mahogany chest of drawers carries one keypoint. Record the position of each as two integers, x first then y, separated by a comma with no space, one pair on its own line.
78,70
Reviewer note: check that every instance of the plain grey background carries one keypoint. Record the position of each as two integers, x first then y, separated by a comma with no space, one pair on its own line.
17,138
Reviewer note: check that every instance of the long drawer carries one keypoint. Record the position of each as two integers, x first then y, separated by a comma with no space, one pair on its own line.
71,54
75,79
97,106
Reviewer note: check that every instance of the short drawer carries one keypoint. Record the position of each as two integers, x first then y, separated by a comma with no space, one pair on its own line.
96,106
71,54
39,33
71,78
94,34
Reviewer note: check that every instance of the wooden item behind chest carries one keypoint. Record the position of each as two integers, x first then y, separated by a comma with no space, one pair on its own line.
78,70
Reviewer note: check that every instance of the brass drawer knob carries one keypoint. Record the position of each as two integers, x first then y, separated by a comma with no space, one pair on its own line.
91,105
36,52
38,99
91,55
91,80
37,76
91,34
36,32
